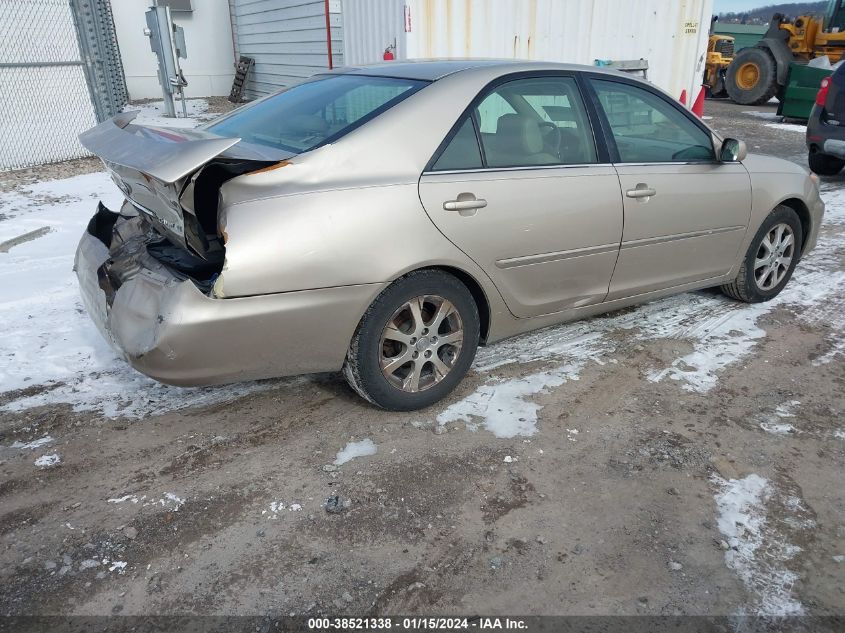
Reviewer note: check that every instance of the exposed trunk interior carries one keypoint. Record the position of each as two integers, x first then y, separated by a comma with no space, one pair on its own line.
176,227
202,255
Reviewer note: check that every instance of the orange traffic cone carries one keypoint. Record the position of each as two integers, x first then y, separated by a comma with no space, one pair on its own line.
683,98
698,105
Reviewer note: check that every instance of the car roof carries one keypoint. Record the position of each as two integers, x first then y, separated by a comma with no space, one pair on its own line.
434,69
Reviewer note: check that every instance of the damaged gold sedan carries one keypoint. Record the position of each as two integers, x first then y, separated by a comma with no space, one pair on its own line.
386,220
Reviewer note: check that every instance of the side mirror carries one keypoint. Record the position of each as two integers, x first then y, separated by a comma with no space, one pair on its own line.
733,151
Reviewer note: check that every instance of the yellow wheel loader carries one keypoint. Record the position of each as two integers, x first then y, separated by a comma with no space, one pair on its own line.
720,53
758,73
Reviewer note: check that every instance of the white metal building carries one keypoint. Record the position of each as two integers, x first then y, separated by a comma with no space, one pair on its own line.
294,39
210,66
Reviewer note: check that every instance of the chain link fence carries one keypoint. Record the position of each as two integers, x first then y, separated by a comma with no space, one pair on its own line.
59,75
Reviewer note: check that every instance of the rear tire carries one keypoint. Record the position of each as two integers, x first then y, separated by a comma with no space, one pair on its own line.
752,284
752,76
825,164
415,343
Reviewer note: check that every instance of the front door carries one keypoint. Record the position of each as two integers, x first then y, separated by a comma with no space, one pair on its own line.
685,213
519,189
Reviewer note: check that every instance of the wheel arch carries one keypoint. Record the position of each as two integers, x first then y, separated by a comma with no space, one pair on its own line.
475,289
797,205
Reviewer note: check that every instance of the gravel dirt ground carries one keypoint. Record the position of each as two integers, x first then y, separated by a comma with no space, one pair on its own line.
684,457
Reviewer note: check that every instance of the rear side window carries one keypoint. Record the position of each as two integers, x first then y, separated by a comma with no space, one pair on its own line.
315,112
647,129
462,152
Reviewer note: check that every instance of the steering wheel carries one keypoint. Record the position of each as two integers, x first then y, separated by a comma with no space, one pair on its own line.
693,152
554,136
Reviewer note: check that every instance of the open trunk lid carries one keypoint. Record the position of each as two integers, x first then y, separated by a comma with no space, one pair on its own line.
157,170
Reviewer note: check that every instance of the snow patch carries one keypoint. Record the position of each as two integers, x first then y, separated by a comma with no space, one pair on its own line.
48,461
277,507
171,502
785,410
41,441
153,114
118,565
355,449
801,129
129,497
770,116
756,552
777,428
504,408
727,339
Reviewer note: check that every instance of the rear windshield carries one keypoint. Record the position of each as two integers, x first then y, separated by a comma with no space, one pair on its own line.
316,112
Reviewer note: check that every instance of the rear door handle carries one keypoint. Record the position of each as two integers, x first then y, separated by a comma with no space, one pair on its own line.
464,203
642,190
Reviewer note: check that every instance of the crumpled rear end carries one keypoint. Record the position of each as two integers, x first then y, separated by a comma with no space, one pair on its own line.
167,327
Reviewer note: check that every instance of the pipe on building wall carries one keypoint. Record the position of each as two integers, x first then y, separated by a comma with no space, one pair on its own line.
233,19
328,35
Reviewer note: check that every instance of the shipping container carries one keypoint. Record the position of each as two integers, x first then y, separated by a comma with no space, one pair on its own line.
670,34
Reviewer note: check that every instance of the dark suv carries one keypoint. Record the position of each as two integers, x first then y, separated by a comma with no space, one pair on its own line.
826,126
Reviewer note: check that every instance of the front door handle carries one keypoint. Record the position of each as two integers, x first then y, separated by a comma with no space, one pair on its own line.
642,190
465,202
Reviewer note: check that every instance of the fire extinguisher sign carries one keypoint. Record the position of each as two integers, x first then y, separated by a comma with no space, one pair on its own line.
407,19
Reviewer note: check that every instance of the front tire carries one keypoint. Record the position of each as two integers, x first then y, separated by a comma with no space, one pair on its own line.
824,164
415,342
771,257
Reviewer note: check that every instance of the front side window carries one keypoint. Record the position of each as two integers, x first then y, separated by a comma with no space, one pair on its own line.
538,121
523,123
315,112
647,129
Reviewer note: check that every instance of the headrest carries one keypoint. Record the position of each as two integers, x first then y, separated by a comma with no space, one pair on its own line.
519,134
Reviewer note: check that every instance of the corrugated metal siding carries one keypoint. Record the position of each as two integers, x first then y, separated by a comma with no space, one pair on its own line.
578,31
287,39
369,27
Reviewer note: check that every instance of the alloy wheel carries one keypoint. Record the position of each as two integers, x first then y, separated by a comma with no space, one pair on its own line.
421,343
774,256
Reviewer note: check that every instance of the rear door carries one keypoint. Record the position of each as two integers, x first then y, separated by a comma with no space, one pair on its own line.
520,186
685,213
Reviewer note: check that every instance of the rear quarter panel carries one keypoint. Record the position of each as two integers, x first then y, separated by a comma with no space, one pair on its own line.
339,237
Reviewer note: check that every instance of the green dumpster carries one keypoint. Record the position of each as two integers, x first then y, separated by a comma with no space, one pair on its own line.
802,85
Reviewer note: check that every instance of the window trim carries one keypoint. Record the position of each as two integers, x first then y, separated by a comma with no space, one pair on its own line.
599,141
604,123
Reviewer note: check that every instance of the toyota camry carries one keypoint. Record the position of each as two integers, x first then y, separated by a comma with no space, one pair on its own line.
386,220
